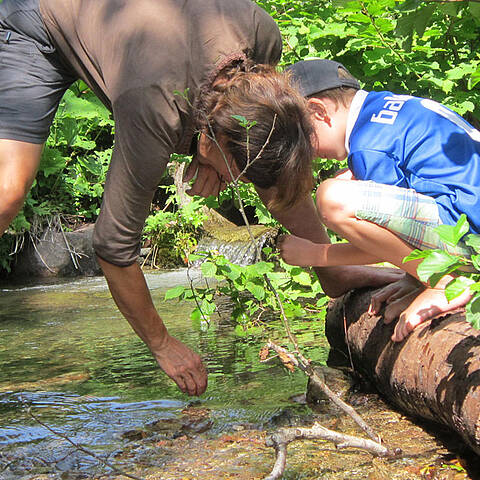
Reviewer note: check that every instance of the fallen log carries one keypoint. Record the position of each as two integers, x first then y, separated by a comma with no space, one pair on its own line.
433,374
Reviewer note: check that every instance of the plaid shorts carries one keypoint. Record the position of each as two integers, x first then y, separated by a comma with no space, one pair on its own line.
406,213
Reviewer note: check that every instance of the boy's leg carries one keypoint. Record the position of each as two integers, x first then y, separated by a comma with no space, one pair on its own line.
343,208
18,165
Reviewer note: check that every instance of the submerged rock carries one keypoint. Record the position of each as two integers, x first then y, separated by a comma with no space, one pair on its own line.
340,384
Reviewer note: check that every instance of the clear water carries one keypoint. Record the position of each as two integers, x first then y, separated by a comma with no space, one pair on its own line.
68,354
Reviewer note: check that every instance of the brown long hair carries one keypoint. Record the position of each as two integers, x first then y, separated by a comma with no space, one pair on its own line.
273,146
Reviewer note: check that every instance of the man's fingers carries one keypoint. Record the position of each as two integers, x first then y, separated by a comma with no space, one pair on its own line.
191,386
197,380
378,298
191,171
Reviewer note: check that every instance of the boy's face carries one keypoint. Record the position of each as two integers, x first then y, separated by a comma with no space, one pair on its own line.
330,125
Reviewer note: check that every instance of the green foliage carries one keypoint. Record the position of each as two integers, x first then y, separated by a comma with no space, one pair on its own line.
249,293
437,263
173,235
427,49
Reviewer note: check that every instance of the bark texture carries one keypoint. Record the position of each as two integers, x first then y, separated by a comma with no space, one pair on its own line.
433,374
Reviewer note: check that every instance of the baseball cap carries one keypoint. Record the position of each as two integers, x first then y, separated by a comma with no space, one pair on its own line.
316,75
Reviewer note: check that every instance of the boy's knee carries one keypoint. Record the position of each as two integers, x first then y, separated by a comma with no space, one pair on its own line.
332,201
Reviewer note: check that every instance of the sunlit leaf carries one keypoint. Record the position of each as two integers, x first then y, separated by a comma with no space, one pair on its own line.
436,262
209,269
256,290
174,292
451,234
473,241
456,287
473,312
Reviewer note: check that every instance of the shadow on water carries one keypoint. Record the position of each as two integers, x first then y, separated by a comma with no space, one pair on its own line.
66,352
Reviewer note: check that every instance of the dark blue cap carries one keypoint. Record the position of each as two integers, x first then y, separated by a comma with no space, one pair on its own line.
317,75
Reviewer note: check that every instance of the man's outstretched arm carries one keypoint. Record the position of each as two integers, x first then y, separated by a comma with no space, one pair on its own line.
131,294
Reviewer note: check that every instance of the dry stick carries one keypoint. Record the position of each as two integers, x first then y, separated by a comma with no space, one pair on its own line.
331,395
80,448
284,436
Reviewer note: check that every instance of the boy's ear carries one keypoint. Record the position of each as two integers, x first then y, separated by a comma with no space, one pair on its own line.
318,108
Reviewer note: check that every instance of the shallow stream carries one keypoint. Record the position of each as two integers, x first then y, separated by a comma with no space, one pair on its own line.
69,359
68,354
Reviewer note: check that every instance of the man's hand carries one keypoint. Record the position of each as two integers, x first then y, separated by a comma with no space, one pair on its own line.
182,365
207,180
393,293
130,292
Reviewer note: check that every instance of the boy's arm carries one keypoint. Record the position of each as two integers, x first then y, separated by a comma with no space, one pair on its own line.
303,221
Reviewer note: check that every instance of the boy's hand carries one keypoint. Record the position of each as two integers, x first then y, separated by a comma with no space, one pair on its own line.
298,251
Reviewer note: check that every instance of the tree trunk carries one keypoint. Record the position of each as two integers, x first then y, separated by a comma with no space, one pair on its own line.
433,374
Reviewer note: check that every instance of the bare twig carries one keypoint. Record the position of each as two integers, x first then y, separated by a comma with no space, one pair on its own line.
331,395
284,436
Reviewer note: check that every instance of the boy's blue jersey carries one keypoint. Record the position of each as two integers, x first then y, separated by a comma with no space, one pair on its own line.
418,143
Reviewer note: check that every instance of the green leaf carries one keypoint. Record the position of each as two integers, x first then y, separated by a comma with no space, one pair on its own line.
192,257
240,331
209,269
232,272
436,262
475,287
174,292
473,241
473,312
474,8
303,278
196,317
422,18
240,119
256,290
456,287
263,267
449,8
207,308
451,234
52,161
476,261
417,254
474,79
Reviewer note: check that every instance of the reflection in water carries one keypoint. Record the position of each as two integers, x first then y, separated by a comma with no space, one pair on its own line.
67,352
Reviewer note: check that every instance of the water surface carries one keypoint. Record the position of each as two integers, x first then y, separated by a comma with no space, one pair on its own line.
68,355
